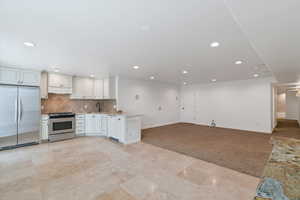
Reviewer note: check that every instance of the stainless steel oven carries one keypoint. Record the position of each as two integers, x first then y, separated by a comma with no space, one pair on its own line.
61,126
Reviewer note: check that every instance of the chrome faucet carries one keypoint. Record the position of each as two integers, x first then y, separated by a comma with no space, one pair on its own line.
98,105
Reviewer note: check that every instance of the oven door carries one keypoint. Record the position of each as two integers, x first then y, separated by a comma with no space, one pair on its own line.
61,125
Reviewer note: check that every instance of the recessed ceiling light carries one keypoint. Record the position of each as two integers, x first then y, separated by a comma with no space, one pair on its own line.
29,44
238,62
92,75
56,70
184,83
214,44
255,75
213,80
152,77
184,72
136,67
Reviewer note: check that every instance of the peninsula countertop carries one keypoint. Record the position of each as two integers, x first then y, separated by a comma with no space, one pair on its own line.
111,114
105,113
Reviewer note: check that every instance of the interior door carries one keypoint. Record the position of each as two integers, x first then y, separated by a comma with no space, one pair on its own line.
8,115
29,115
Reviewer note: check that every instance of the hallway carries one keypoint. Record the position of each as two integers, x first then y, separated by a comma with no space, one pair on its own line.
242,151
287,128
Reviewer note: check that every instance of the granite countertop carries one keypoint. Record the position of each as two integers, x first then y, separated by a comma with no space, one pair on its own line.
284,165
113,113
105,113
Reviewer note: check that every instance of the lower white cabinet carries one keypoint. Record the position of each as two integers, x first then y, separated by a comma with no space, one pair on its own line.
125,129
96,124
80,124
133,129
116,127
44,127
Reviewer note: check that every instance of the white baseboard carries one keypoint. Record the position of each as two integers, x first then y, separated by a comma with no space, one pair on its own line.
281,115
158,125
250,130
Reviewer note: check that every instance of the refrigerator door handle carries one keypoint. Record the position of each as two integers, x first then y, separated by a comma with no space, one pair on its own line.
21,109
16,110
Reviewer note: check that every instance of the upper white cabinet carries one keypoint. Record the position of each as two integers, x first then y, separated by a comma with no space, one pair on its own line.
19,77
83,88
32,78
9,76
98,89
88,88
59,83
109,88
44,85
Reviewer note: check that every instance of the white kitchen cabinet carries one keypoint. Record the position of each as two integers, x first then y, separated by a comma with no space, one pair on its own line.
59,83
126,129
9,76
109,87
116,127
83,88
98,89
133,129
44,85
30,78
44,128
19,77
90,124
104,124
80,124
96,124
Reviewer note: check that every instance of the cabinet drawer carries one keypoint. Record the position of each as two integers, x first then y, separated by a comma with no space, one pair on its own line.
80,122
80,130
80,116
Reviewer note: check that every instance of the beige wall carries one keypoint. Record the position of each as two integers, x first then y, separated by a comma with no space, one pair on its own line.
62,103
292,109
281,102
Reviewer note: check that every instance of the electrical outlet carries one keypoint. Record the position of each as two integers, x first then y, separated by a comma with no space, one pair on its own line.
85,106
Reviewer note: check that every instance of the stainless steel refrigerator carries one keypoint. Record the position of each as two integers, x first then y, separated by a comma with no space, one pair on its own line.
19,116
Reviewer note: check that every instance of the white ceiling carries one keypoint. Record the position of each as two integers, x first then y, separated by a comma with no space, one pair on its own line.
273,27
163,37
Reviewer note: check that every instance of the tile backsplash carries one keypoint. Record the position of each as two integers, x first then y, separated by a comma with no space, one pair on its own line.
63,103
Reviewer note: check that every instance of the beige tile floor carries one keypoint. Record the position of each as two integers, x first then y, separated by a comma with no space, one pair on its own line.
93,168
